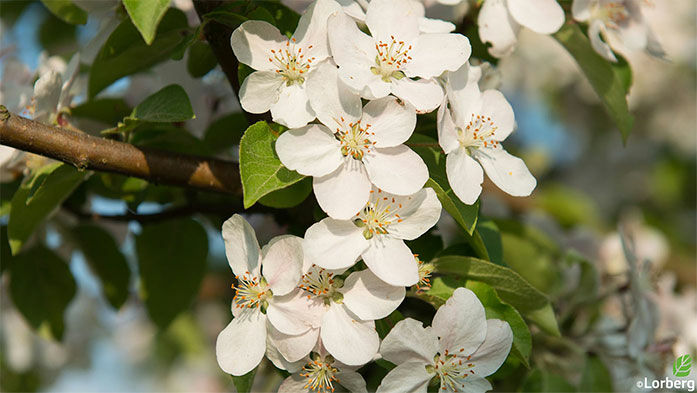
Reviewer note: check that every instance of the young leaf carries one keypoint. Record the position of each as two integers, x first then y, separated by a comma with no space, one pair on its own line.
41,287
243,383
146,15
595,377
260,169
201,59
67,11
172,261
170,104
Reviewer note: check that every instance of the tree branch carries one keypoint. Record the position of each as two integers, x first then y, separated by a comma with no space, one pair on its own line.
89,152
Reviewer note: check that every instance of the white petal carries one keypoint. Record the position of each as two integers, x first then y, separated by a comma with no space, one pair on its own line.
408,377
465,175
409,341
509,173
311,150
294,313
498,27
420,212
461,323
463,95
282,261
242,344
47,90
294,348
472,384
277,358
253,41
392,261
391,122
334,244
447,130
428,25
69,77
493,352
342,193
424,94
392,18
293,384
331,98
352,381
293,107
350,46
581,10
260,91
596,29
397,170
350,341
540,16
495,105
241,246
312,28
369,297
434,54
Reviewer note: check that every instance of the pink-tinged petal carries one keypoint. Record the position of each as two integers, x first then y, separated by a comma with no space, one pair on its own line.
241,246
460,323
282,261
410,377
311,150
498,27
253,42
495,105
540,16
242,344
392,261
312,28
294,348
465,175
260,91
350,341
392,18
508,172
293,108
294,313
495,348
447,130
331,99
334,244
434,54
419,213
409,341
397,170
369,297
391,122
424,94
342,193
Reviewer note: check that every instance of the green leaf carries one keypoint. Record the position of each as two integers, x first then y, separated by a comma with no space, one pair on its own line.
67,11
226,132
545,319
146,15
595,377
288,197
243,383
260,169
170,104
168,137
37,198
105,110
171,261
682,365
5,253
384,325
542,381
41,287
124,52
201,59
491,237
608,82
106,261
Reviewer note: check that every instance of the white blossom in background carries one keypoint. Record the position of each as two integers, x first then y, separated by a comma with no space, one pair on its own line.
108,16
621,20
53,90
282,65
470,133
460,349
262,276
396,51
353,147
16,92
376,234
500,21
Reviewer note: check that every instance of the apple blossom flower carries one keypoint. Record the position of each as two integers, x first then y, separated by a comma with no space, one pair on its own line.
353,147
471,136
620,18
262,275
282,65
460,348
338,313
500,20
397,51
53,91
377,235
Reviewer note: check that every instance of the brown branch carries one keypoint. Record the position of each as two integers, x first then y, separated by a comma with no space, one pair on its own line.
89,152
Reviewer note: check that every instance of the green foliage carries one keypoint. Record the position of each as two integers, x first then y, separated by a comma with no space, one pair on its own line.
41,287
570,207
5,253
171,261
201,59
225,132
260,169
608,81
383,326
542,381
168,105
146,15
124,52
595,377
67,11
288,197
105,110
56,36
106,261
243,383
38,197
168,137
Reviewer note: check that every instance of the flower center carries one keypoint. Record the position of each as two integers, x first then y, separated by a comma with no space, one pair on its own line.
425,270
392,55
320,374
251,292
451,370
322,284
612,13
378,214
479,132
291,63
355,141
